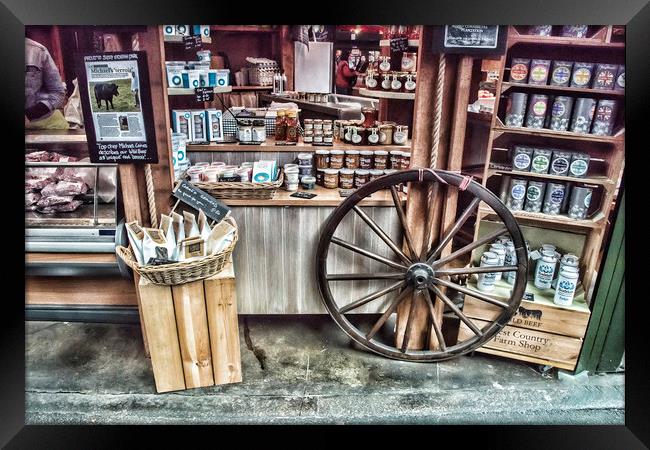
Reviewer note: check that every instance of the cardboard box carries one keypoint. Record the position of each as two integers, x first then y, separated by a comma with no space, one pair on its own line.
181,123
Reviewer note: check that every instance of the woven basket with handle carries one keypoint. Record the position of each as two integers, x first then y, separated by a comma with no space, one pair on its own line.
184,271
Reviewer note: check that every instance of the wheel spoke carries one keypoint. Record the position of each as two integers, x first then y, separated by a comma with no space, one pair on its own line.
468,248
365,276
402,219
367,253
432,193
409,323
457,311
457,226
382,234
471,270
471,292
434,321
384,317
370,297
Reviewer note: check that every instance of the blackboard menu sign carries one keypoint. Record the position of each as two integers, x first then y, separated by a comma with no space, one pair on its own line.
470,39
192,42
400,44
198,199
204,94
302,195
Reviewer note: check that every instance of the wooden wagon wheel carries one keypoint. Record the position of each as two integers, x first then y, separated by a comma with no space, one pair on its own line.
410,272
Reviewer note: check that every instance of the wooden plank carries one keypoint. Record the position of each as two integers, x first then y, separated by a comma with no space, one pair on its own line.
286,55
193,337
130,195
63,258
536,346
269,146
542,361
109,291
388,94
160,324
544,87
221,303
145,342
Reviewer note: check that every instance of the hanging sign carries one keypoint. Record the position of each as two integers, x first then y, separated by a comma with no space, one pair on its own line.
400,44
470,39
200,200
192,42
204,94
116,104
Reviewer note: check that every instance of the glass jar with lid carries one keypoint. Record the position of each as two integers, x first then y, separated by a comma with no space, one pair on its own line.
322,159
361,177
385,81
280,126
292,126
373,135
346,178
245,130
370,80
318,137
400,135
352,159
336,159
370,116
409,83
331,178
384,64
396,82
366,158
258,131
386,133
409,61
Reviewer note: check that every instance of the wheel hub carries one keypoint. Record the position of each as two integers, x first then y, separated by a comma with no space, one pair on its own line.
420,276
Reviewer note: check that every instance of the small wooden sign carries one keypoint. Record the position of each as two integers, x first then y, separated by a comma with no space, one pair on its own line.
200,200
400,44
204,94
192,42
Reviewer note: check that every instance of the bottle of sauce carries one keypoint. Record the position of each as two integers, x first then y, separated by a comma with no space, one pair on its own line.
291,121
280,126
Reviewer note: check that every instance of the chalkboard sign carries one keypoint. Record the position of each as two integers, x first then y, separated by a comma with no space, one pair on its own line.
302,195
400,44
192,42
198,199
529,296
470,39
204,94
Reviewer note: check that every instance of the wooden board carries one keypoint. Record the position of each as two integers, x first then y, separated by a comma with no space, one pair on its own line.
193,336
269,146
531,345
575,90
387,94
109,291
221,305
160,325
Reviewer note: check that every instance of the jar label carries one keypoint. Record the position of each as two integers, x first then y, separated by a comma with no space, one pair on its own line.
399,137
385,83
539,108
373,138
396,84
356,138
534,193
581,76
382,136
518,72
558,109
587,201
384,66
371,82
521,161
621,80
578,167
518,191
540,163
561,75
407,63
409,85
538,73
560,165
557,195
605,78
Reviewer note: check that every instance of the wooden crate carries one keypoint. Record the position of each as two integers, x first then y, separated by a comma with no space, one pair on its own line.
192,332
539,332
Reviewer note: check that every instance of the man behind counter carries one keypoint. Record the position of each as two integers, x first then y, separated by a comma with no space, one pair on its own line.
44,91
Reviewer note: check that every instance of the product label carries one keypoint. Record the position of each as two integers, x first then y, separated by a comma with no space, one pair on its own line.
540,163
371,82
565,290
621,80
557,195
385,83
407,64
558,109
561,75
521,161
356,138
544,274
409,85
399,137
538,73
534,193
539,108
587,201
518,191
560,165
373,138
518,72
581,76
395,84
604,113
384,66
605,78
578,167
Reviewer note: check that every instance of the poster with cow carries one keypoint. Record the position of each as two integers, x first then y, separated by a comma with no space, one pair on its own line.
116,102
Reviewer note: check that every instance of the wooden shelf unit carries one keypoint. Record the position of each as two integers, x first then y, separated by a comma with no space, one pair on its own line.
269,146
593,227
44,137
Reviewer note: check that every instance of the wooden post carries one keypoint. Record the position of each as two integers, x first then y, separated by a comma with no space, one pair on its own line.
286,55
193,336
221,303
158,313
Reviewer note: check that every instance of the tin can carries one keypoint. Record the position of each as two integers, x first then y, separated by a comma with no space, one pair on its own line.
534,196
579,203
582,74
619,85
486,281
541,160
553,199
516,109
560,113
605,76
539,69
604,117
540,30
544,271
579,31
517,194
583,114
522,157
510,260
500,250
519,70
504,189
579,165
566,288
561,73
536,111
560,163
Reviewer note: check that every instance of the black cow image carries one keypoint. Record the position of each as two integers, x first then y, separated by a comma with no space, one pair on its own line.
534,313
105,91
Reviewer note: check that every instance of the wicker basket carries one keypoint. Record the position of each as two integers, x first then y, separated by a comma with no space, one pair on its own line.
241,189
181,272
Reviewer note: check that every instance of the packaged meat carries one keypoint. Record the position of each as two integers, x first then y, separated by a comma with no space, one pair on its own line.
62,207
54,200
36,183
38,156
53,173
65,188
31,208
58,157
31,198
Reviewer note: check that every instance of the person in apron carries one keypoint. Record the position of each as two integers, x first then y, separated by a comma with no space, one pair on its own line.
44,91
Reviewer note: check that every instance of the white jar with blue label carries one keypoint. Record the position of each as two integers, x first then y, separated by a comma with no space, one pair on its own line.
545,270
486,281
566,287
500,250
510,260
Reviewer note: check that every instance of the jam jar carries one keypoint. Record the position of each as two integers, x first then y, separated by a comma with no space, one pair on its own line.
373,135
318,124
384,64
396,82
395,159
371,80
352,159
336,159
366,158
331,178
327,126
374,174
405,161
328,138
381,159
385,82
409,83
357,135
370,116
409,61
322,159
386,133
347,132
361,177
318,137
320,176
346,178
400,135
309,124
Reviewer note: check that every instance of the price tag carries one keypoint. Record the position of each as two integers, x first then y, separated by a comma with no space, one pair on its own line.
400,44
192,42
204,94
529,296
302,195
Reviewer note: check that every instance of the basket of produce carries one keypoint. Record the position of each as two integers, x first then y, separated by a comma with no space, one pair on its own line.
182,250
260,181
